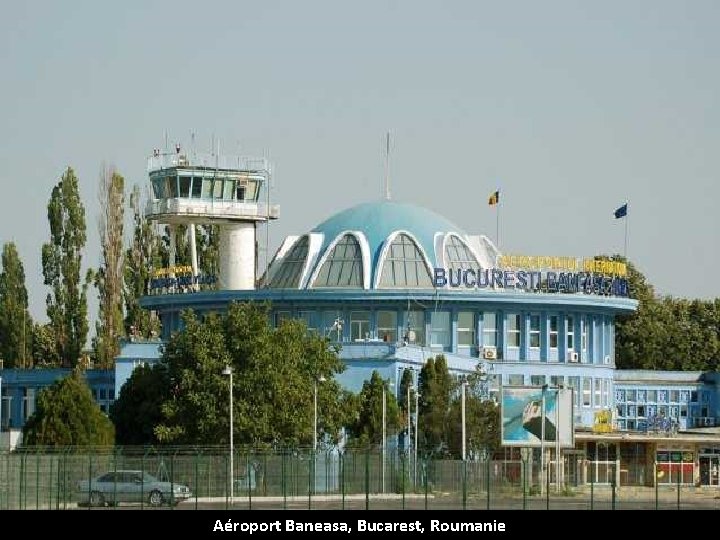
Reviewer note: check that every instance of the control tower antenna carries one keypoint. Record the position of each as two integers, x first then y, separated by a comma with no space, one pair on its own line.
387,166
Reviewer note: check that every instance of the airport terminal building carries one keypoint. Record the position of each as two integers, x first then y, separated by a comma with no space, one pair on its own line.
394,284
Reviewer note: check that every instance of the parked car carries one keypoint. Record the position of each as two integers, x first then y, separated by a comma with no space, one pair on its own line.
131,487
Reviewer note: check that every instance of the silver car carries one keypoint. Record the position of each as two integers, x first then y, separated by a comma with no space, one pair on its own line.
132,487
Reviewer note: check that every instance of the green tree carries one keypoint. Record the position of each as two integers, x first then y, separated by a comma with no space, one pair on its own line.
368,426
62,263
109,277
274,372
44,348
435,385
138,408
140,259
15,322
66,414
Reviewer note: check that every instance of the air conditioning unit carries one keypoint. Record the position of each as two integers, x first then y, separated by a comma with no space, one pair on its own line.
607,359
573,356
709,421
489,353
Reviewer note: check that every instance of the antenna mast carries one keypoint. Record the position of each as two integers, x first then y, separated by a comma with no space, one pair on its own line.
387,166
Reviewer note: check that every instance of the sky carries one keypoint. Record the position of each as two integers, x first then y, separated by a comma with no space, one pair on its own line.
569,108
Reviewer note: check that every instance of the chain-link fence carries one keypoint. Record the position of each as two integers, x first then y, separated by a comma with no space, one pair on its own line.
209,477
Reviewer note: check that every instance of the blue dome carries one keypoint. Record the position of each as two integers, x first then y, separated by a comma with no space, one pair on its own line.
378,220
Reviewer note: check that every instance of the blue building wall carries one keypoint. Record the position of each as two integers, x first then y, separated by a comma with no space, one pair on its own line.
20,388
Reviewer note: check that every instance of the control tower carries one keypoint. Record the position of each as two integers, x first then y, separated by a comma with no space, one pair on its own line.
208,189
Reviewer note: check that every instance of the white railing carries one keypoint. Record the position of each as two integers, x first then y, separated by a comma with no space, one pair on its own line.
222,209
211,161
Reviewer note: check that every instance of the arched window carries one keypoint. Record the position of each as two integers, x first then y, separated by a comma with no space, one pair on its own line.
458,254
291,267
404,265
343,266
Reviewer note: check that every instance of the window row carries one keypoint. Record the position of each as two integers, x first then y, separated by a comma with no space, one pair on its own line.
657,396
197,187
587,391
481,329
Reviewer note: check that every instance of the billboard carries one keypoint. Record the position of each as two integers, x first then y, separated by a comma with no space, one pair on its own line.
523,416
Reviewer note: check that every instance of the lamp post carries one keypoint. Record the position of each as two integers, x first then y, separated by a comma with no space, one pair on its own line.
462,410
228,371
315,414
558,465
384,432
417,421
542,441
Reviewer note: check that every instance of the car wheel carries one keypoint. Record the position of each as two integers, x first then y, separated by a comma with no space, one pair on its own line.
97,499
156,498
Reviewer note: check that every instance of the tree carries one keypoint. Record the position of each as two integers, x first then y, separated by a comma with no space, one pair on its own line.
138,408
274,369
140,258
368,426
62,262
66,414
44,348
406,383
109,277
15,322
435,385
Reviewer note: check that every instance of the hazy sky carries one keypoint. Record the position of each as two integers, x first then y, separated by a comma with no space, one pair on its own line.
570,108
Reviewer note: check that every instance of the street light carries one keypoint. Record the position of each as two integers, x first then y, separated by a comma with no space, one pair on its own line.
315,415
228,371
417,420
384,432
464,384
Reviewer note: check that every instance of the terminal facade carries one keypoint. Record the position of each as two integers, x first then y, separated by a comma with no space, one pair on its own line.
395,284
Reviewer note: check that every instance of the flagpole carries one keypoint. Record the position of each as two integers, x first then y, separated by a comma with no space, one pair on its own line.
626,231
497,225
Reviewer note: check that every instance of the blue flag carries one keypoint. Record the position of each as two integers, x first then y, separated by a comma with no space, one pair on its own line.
621,212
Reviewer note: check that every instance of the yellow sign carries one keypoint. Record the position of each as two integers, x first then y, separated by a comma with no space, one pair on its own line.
603,422
172,270
567,264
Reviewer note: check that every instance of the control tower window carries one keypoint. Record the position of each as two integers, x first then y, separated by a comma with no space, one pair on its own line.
343,266
404,265
240,192
185,186
229,190
171,187
157,185
206,187
196,187
291,267
217,188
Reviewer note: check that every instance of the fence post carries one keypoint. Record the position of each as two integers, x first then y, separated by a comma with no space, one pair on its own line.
283,480
195,480
678,483
89,478
613,492
403,479
250,478
115,477
464,486
367,478
655,481
311,474
524,483
172,480
342,477
592,486
37,478
427,473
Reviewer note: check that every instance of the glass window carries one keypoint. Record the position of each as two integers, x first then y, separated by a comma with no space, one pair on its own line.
489,329
404,266
537,380
343,266
103,393
598,392
307,318
291,266
620,395
570,333
583,333
516,380
458,255
574,383
251,190
28,403
228,189
553,331
359,325
440,328
196,187
662,396
185,186
416,327
630,395
557,380
605,393
586,391
534,331
641,411
674,396
206,187
240,190
693,396
171,187
387,326
111,394
333,325
513,330
641,396
281,316
217,188
652,396
466,328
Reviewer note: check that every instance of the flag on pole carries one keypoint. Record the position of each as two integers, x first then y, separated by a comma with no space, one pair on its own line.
621,212
494,198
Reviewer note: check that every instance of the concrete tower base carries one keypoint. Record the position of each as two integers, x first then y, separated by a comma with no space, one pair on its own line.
237,256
